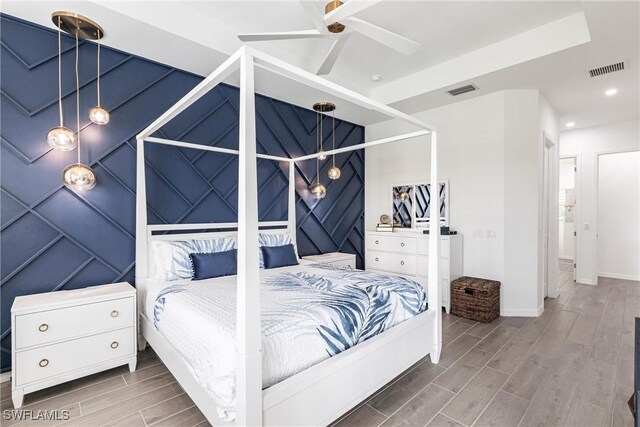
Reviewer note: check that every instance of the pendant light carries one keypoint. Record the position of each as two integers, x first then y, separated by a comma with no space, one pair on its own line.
99,115
334,172
318,190
60,137
320,108
78,176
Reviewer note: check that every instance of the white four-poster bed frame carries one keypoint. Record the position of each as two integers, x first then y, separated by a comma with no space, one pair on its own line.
326,391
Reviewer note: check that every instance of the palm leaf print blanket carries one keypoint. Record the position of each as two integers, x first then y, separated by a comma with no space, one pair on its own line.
309,313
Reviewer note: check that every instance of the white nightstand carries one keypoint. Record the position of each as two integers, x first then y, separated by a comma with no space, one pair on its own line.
338,259
64,335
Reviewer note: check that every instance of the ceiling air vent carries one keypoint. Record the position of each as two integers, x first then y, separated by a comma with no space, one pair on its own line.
462,89
601,71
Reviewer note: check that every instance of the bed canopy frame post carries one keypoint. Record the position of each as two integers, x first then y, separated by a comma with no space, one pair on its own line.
141,229
248,330
291,206
434,249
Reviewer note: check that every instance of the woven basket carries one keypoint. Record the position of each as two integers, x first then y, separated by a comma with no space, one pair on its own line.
475,299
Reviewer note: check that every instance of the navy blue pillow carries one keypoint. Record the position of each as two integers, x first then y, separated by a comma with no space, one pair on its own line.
217,264
279,256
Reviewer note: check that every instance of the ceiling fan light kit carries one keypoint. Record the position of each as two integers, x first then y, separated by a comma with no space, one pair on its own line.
337,24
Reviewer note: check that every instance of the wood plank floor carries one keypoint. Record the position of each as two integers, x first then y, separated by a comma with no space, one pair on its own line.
571,366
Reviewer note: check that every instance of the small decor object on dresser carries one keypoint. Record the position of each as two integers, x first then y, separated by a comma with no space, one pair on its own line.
64,335
475,299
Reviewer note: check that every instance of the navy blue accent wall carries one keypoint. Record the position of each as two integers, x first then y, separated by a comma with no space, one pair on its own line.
53,238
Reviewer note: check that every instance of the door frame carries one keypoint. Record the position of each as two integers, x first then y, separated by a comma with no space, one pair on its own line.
576,209
596,193
549,267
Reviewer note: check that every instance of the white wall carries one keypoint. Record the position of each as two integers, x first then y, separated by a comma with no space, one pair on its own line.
489,149
618,216
566,243
586,144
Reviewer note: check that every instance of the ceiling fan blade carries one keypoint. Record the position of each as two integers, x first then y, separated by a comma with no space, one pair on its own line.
347,10
385,37
332,56
315,11
287,35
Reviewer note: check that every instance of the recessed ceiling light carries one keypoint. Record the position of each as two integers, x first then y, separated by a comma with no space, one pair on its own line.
376,77
570,124
611,92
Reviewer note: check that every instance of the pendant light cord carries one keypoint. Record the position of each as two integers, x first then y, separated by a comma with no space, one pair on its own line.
60,71
333,134
98,81
77,95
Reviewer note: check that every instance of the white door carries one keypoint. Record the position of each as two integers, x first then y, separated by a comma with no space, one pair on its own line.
567,215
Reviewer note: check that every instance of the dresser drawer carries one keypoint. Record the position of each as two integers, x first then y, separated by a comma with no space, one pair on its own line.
423,266
57,359
393,243
423,247
396,263
71,322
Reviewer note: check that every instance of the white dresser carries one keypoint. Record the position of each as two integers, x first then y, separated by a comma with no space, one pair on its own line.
334,258
406,253
64,335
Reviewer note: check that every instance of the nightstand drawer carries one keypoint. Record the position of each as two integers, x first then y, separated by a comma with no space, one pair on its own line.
71,322
57,359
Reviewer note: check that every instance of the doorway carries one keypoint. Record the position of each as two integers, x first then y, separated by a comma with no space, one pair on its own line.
567,208
618,210
548,268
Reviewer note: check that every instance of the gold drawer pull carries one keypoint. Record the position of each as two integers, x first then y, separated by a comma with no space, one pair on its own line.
43,363
402,244
43,328
114,344
377,259
401,262
114,313
377,242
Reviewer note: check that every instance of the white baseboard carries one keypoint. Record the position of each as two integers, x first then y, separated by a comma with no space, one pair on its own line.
585,282
523,312
5,376
619,276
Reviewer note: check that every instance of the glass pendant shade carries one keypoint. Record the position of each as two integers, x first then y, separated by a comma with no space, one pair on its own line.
79,177
99,116
334,172
321,155
62,138
318,190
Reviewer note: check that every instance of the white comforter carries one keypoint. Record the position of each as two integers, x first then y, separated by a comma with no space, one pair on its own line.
310,312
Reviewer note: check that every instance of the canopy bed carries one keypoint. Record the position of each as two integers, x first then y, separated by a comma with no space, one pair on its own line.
326,387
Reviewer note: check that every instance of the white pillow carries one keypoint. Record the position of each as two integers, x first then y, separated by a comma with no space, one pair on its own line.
172,257
270,240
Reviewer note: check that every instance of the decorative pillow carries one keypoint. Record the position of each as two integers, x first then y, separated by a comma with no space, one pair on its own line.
172,257
279,256
217,264
271,240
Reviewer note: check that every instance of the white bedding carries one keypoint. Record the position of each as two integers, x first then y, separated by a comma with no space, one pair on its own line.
309,313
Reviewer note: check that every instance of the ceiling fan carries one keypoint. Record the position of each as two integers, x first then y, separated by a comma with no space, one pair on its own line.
331,24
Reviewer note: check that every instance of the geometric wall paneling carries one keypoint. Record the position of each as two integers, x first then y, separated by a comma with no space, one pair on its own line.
53,238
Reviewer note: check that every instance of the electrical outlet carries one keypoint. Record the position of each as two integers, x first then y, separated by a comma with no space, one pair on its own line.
490,234
478,233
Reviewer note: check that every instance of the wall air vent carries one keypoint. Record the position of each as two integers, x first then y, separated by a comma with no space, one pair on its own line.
462,89
601,71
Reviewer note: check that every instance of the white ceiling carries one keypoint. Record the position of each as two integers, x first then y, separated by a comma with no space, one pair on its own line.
498,45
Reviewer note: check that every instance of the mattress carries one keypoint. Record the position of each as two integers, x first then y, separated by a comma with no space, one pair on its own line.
309,313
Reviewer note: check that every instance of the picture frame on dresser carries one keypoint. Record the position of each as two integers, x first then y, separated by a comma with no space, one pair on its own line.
411,201
64,335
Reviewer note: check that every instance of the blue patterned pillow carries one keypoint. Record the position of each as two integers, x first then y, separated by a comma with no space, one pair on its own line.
217,264
172,257
271,240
